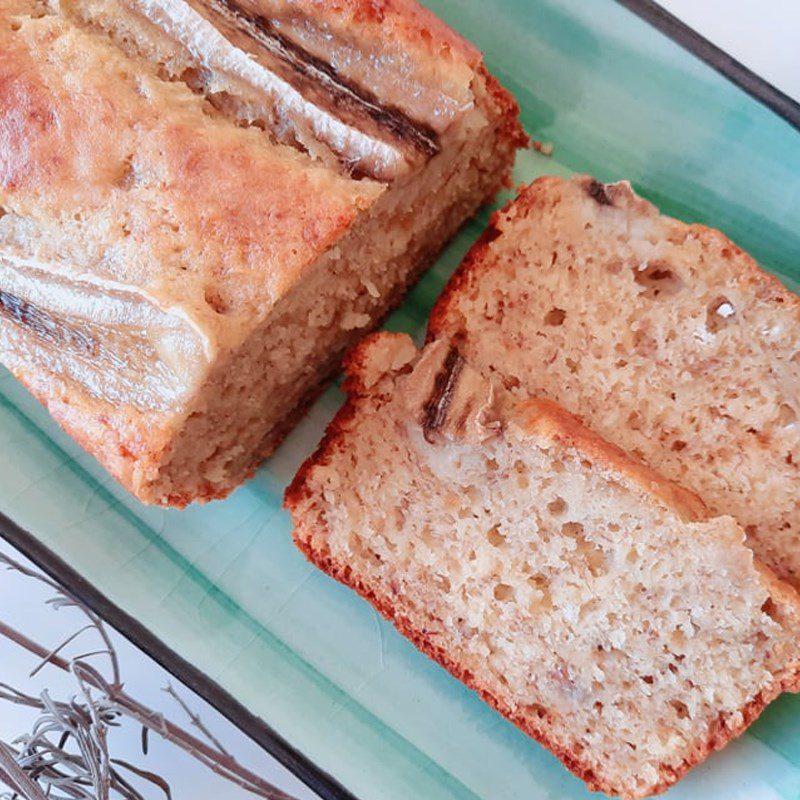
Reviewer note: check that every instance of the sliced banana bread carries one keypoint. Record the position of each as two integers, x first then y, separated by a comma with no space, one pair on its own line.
595,604
665,338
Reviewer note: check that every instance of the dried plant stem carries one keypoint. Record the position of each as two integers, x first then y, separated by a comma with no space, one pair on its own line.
16,777
28,644
219,761
47,658
195,719
65,599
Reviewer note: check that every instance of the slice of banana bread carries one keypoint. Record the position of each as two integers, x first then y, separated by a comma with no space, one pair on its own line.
664,337
595,604
204,203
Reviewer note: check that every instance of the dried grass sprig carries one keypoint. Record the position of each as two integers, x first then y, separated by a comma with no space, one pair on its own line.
66,755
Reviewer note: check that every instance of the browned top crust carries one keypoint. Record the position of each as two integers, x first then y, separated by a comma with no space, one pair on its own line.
383,23
406,20
540,416
374,86
145,227
129,178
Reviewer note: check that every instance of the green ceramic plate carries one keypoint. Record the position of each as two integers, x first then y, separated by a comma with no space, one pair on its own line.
219,593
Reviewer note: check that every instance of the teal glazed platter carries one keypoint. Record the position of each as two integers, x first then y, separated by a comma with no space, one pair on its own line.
219,595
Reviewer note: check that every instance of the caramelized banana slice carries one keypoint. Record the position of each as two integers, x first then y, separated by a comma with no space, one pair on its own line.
112,339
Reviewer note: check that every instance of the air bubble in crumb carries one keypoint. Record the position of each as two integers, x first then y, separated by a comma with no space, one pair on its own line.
572,529
681,709
657,279
555,317
770,608
720,314
522,475
786,415
557,507
494,537
503,592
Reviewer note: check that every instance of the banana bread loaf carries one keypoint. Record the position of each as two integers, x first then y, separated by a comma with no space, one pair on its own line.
204,202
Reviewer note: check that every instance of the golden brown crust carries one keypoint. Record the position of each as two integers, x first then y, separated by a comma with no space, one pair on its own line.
511,134
542,416
117,443
404,19
214,201
394,52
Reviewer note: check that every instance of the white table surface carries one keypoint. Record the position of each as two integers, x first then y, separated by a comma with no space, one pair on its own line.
765,36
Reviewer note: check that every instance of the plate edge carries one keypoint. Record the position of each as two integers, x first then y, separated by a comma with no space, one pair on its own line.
695,43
